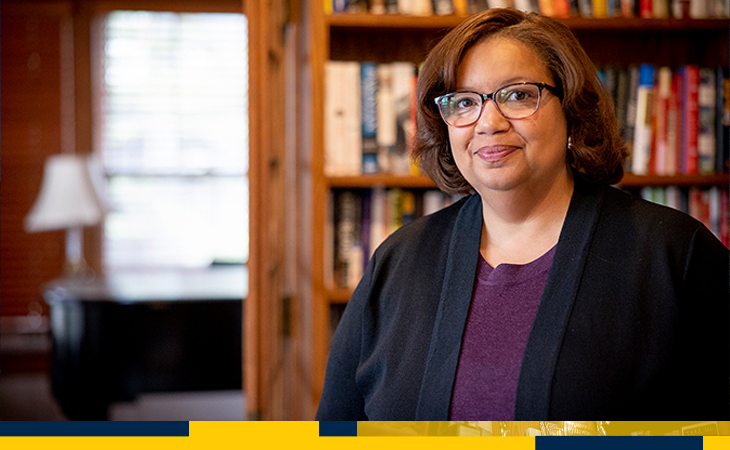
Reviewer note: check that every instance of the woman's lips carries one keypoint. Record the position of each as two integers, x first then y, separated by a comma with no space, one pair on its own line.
494,153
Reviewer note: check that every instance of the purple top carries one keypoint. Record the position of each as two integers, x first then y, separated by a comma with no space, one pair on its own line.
503,307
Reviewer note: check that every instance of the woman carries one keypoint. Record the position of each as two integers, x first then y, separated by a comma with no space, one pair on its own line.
545,294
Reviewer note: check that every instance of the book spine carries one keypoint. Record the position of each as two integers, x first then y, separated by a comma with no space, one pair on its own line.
661,119
369,118
642,127
460,7
631,102
706,123
723,113
585,8
627,8
346,234
546,7
690,120
443,7
403,76
660,9
387,125
599,9
678,106
646,9
562,8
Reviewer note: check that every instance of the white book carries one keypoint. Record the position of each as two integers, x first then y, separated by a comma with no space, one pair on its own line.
334,113
352,143
642,128
698,9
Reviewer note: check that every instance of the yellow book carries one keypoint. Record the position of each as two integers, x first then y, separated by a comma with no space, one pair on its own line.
599,9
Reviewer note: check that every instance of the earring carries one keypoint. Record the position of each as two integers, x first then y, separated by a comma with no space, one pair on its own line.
570,144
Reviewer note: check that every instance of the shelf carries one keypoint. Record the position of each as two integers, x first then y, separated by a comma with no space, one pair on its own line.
384,180
631,180
344,20
423,182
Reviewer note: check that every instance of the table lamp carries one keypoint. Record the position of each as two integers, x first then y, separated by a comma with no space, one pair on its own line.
69,199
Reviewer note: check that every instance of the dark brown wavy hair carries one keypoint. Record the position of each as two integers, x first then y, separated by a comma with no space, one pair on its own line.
597,151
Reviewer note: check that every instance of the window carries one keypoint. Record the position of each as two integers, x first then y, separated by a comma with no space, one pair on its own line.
173,132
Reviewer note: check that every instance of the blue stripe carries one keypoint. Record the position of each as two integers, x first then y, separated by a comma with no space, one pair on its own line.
618,443
334,428
82,428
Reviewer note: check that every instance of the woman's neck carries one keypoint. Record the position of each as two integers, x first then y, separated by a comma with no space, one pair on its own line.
521,225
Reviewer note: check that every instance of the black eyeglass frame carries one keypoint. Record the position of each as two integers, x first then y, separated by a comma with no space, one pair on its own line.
554,90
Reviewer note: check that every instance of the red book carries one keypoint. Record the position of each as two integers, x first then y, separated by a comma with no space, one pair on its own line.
561,8
646,9
690,118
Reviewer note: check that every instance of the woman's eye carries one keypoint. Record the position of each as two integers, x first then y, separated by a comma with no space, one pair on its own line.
466,102
517,95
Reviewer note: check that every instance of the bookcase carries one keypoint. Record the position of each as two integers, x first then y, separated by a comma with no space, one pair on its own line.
393,37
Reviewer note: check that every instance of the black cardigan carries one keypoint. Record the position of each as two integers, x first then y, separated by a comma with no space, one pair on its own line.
633,323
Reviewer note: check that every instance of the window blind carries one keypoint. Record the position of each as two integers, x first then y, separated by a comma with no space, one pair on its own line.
173,133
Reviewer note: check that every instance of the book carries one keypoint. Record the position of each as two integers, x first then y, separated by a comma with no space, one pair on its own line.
628,8
475,6
660,120
561,8
387,129
706,121
527,5
646,8
346,238
642,126
698,9
443,7
404,98
632,91
599,9
460,7
342,124
499,3
585,8
674,125
547,8
377,7
369,116
690,118
660,9
722,162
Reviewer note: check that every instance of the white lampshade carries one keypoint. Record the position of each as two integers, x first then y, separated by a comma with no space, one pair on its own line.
67,198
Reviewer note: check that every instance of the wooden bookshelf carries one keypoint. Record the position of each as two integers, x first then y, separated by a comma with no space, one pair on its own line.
390,38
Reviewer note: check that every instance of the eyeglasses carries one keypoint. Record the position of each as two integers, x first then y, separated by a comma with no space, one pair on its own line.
514,101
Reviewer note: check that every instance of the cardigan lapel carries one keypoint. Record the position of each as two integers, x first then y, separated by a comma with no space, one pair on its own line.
443,356
551,321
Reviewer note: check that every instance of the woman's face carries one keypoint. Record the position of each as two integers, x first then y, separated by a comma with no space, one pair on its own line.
497,154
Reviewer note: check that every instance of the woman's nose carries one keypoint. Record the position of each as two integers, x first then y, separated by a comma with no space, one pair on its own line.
491,120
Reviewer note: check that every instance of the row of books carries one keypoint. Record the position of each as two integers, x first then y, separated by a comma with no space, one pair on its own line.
360,219
709,205
369,117
675,120
660,9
